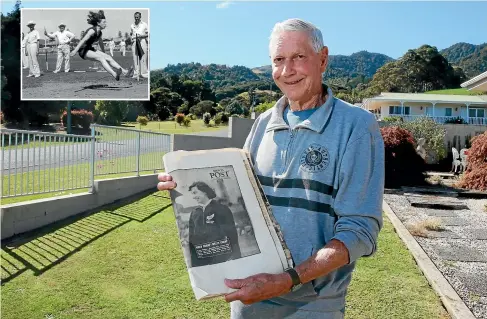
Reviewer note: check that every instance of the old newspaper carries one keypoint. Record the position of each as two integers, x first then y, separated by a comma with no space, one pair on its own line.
225,225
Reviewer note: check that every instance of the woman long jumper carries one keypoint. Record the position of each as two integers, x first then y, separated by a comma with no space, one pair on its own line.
86,50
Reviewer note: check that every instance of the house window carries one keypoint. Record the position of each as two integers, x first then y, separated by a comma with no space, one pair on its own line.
398,110
473,112
448,111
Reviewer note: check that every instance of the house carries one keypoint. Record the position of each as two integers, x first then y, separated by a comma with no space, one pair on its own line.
440,107
477,84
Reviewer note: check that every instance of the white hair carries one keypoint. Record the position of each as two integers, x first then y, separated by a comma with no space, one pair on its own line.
315,36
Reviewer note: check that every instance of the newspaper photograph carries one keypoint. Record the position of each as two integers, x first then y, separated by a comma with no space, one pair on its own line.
225,225
213,222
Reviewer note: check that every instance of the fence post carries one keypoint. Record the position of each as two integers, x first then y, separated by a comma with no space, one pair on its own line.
137,158
92,159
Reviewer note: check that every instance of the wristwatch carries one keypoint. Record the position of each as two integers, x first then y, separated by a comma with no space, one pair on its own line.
295,278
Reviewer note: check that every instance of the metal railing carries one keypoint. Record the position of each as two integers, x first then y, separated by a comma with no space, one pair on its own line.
123,150
440,119
34,162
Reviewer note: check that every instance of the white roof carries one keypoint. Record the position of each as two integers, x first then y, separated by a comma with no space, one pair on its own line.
478,78
423,97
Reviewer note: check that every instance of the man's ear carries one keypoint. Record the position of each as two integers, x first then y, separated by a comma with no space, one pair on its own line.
324,59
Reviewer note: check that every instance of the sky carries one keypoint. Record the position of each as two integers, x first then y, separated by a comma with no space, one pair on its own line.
75,20
237,32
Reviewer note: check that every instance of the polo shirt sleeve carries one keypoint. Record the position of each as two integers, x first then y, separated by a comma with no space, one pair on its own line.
358,202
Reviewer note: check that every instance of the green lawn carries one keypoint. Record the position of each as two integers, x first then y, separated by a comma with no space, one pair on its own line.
171,127
459,91
126,262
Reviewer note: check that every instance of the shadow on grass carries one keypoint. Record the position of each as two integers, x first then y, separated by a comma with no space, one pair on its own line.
44,248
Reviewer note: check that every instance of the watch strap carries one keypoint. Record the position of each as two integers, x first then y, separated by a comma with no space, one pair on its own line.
294,276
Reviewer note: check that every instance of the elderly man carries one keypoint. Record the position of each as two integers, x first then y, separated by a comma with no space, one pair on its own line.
64,38
320,161
140,30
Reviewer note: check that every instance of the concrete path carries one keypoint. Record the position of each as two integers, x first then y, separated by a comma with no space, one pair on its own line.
459,251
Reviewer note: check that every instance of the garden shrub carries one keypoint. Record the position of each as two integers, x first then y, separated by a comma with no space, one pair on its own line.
475,176
179,117
432,132
206,118
392,119
455,120
403,166
79,118
217,119
142,120
186,121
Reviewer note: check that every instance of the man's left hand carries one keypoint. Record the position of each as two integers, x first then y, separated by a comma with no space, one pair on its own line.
258,287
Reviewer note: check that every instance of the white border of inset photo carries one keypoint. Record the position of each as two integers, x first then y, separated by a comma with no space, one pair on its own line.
85,13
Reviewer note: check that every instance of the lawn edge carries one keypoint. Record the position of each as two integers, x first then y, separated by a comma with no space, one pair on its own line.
455,306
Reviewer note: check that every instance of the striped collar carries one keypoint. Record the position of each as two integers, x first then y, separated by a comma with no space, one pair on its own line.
316,122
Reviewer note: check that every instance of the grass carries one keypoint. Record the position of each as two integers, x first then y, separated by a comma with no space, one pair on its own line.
126,262
420,228
171,127
74,177
166,127
459,91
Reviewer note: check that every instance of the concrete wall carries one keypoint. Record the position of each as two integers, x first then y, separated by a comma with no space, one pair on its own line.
22,217
238,131
457,134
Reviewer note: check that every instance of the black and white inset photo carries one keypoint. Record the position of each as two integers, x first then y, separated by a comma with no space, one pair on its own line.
85,54
214,225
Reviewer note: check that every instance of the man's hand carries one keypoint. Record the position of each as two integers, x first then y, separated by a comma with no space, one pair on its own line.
258,287
166,182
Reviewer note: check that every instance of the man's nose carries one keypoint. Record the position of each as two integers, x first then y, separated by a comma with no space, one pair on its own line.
288,68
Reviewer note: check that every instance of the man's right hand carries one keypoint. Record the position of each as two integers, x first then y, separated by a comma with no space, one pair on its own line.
165,182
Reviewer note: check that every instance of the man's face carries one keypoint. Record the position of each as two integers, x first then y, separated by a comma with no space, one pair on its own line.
199,196
137,17
61,28
296,68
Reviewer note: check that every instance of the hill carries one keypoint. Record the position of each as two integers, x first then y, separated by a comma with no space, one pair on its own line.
475,63
471,58
218,76
455,53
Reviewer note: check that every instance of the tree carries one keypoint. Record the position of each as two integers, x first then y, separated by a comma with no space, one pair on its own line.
235,108
163,102
475,176
111,112
418,70
203,107
11,107
120,34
